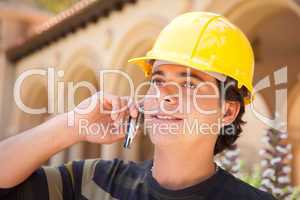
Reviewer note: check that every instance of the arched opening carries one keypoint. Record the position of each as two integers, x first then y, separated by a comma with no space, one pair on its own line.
81,72
80,67
33,94
273,28
136,42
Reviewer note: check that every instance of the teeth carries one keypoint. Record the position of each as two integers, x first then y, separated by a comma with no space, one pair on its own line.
164,117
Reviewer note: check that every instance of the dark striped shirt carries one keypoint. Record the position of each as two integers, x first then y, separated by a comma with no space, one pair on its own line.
117,179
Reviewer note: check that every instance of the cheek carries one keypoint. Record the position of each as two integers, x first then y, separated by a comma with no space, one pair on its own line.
203,123
206,110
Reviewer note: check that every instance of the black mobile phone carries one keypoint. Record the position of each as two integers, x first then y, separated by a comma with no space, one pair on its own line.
133,125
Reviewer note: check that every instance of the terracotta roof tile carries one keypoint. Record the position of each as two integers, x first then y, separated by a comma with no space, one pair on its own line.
79,15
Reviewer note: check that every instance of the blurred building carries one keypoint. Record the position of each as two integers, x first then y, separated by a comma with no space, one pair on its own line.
17,22
93,35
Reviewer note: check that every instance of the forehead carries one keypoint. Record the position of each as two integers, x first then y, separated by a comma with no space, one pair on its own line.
180,70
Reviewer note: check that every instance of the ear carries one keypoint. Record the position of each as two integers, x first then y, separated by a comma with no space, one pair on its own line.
231,110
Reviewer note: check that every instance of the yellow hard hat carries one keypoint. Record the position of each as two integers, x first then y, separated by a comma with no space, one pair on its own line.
204,41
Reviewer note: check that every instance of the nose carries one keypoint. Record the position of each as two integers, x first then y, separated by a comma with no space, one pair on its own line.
169,96
165,95
170,99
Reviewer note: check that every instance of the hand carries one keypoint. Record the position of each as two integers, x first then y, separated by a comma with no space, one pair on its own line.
105,123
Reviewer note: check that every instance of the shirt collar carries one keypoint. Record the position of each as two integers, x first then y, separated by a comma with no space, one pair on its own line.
198,190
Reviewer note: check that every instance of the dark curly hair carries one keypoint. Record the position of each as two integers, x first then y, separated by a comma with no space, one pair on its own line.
229,133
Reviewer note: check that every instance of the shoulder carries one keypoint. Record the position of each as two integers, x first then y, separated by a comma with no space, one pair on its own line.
242,190
114,177
116,166
98,177
104,171
34,187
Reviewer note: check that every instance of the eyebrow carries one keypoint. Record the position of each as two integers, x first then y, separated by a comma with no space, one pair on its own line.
192,75
181,74
158,73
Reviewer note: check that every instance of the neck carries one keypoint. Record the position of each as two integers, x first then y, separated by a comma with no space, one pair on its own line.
179,168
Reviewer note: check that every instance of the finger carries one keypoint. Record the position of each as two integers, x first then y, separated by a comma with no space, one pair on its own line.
140,105
117,132
116,105
136,107
104,104
124,107
133,110
124,114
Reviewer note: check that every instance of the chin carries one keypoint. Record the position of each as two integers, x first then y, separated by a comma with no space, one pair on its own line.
164,138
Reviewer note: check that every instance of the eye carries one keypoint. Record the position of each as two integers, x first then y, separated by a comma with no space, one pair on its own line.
189,85
157,82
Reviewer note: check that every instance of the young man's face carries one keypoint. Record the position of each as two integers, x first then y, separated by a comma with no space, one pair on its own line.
182,106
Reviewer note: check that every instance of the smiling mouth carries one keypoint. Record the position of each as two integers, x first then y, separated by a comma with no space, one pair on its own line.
164,117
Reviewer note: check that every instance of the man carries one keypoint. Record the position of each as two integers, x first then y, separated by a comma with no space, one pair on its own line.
201,69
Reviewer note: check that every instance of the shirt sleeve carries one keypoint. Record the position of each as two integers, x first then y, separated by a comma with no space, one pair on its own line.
48,183
35,187
84,179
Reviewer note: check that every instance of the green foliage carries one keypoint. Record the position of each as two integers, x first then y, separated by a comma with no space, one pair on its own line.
254,178
296,193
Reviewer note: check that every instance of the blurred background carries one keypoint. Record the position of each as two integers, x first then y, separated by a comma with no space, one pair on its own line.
82,37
